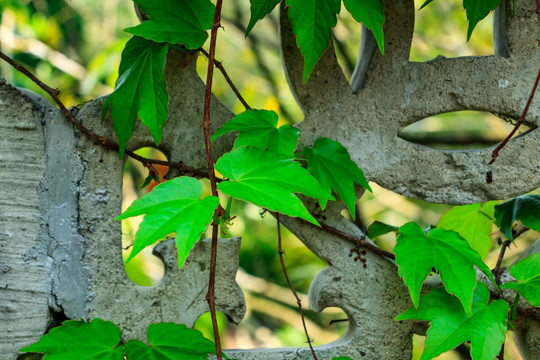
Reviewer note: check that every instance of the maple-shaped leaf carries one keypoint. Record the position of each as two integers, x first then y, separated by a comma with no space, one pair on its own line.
258,128
525,208
330,163
259,9
172,206
269,180
527,272
477,10
312,22
139,90
473,222
417,254
182,22
371,14
379,228
451,326
168,341
96,340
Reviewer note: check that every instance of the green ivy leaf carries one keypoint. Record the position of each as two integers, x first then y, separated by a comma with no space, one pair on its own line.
525,208
259,9
172,206
527,272
258,128
444,250
269,180
330,163
426,3
451,326
96,340
168,341
371,14
312,23
477,10
140,90
379,228
182,22
473,222
342,358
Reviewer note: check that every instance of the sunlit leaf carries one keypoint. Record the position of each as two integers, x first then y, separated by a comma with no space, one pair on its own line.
259,9
370,13
477,10
527,273
525,208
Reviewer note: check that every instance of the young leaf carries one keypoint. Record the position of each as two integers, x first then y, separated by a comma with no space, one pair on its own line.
330,163
312,22
473,223
379,228
168,341
444,250
173,206
477,10
140,90
370,13
182,22
258,128
269,180
451,326
527,272
259,9
525,208
96,340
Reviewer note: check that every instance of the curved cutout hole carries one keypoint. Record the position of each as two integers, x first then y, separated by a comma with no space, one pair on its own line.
145,269
461,130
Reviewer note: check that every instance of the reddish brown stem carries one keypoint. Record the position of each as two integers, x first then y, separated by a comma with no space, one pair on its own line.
497,270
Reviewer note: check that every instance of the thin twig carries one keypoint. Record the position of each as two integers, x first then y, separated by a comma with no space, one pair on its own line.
497,270
501,353
298,301
521,120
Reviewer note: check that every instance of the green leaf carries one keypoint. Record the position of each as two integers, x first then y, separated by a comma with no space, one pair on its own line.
259,9
96,340
527,272
168,341
473,223
172,206
342,358
140,90
258,128
330,163
269,180
444,250
477,10
182,22
371,14
451,326
379,228
312,23
525,208
426,3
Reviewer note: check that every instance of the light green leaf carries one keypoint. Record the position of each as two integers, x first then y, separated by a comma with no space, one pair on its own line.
168,341
139,91
444,250
97,340
379,228
172,206
371,14
330,163
259,9
312,22
451,326
477,10
527,272
525,208
258,128
269,180
182,22
473,223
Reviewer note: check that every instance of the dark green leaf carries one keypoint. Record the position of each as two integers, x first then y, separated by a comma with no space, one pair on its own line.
342,358
371,14
525,208
330,163
426,3
477,10
258,128
97,340
527,272
140,90
451,326
444,250
259,9
379,228
181,22
269,180
172,206
312,22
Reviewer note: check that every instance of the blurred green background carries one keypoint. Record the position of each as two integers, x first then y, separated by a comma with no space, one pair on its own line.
75,46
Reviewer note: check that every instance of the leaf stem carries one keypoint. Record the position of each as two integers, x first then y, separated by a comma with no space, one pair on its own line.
497,270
